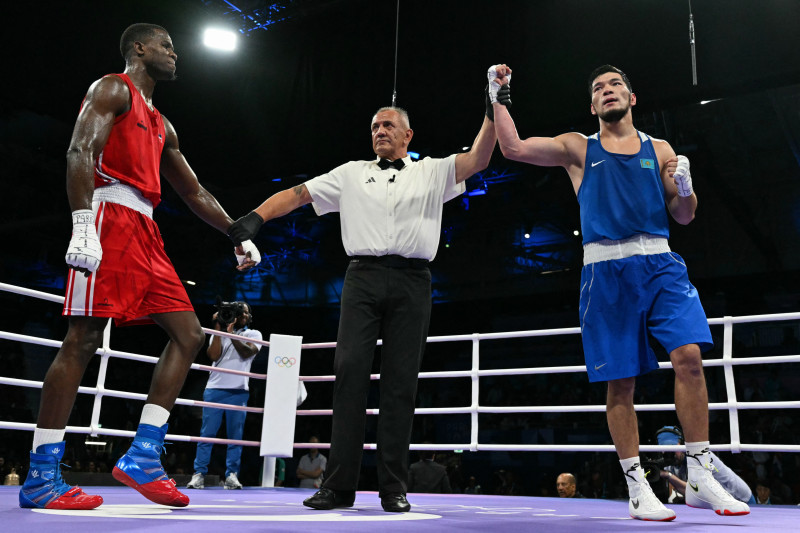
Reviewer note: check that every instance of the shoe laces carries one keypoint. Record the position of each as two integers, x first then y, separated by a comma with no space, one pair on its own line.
59,485
713,485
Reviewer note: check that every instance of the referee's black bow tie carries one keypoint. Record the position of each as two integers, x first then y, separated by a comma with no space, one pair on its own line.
398,164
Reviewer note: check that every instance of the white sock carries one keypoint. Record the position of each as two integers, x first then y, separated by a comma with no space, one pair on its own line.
697,454
154,415
46,436
632,468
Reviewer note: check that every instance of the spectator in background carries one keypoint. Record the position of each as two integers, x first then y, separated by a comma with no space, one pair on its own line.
506,484
567,486
763,494
311,468
426,475
472,486
596,487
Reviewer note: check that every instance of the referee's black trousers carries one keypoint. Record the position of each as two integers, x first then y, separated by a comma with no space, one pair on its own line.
394,304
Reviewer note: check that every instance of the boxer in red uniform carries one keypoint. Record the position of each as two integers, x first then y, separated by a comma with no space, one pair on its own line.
120,147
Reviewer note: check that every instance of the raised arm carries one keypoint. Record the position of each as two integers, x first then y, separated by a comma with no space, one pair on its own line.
567,150
541,151
214,350
477,159
245,349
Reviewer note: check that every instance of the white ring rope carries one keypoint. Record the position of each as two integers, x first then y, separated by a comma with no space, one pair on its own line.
727,362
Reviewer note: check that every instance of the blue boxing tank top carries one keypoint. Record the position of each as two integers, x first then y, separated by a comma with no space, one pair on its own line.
621,194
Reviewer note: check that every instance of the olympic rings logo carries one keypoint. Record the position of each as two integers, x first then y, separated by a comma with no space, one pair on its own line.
285,362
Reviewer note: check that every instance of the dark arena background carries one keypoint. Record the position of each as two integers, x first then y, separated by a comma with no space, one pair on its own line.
294,100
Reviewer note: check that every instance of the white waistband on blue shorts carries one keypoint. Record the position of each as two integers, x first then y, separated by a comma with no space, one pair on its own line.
640,244
119,193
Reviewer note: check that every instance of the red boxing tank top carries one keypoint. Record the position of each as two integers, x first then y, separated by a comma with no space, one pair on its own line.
132,154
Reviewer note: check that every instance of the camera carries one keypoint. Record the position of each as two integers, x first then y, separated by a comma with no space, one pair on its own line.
228,312
652,466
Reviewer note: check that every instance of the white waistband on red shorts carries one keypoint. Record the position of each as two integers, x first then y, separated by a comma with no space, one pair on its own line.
640,244
119,193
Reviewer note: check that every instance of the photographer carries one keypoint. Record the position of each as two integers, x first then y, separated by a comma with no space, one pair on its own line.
675,473
233,354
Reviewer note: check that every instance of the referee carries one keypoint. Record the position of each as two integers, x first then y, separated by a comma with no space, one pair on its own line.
391,215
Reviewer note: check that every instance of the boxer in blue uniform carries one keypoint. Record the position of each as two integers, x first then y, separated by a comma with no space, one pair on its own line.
632,284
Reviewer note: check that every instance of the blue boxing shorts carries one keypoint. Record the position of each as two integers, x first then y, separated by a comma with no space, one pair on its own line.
622,300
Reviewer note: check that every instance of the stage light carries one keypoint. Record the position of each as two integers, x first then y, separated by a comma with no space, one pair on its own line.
576,233
527,235
219,39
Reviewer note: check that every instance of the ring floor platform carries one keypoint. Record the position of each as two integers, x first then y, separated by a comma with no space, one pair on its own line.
281,510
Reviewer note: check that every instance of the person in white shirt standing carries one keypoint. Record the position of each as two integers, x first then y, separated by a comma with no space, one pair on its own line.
231,389
391,216
311,467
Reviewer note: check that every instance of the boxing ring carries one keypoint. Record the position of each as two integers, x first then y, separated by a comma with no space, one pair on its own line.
282,508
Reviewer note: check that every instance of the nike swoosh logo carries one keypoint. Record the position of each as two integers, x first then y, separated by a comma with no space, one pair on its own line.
635,504
599,367
694,487
594,164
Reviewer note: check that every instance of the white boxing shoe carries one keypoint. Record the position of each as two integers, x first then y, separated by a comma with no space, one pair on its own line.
644,505
705,492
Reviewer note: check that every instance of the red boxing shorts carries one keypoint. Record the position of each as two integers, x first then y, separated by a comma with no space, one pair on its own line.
135,279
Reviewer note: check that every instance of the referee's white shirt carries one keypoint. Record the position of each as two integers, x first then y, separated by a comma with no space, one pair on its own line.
388,212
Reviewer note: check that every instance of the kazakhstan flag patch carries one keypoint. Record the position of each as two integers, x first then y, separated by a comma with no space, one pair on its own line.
647,163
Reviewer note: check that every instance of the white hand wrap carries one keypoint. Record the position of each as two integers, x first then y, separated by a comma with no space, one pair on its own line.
494,86
84,249
683,178
248,246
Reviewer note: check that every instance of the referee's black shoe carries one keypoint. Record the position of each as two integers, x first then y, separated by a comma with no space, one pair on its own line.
330,499
395,503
